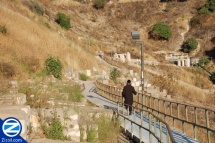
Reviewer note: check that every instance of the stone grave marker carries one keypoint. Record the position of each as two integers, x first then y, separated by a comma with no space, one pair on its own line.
88,72
131,72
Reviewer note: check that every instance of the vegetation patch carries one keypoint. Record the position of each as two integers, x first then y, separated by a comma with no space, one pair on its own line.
55,129
84,77
114,74
91,135
190,45
3,29
204,61
30,64
99,4
63,20
74,92
107,129
35,6
207,8
161,31
7,70
54,67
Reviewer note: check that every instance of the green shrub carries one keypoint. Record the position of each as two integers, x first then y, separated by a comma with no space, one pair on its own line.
211,5
63,20
91,135
203,10
55,130
203,61
161,31
53,66
99,3
83,77
114,74
208,7
3,30
190,45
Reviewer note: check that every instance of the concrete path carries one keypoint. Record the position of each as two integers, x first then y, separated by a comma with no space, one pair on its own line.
92,96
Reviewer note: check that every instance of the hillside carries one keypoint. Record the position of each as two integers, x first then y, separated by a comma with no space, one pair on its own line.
31,37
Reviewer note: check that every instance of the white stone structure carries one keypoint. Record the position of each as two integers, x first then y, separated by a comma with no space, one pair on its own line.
184,62
70,119
88,72
122,57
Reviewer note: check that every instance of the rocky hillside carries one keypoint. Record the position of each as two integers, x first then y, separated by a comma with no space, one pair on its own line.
33,34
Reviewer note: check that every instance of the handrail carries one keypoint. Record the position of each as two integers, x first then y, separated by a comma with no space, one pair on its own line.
186,114
155,119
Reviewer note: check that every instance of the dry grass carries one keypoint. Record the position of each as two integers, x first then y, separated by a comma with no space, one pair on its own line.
194,76
29,38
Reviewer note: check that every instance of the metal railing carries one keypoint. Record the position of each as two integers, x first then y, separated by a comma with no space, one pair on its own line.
156,127
195,121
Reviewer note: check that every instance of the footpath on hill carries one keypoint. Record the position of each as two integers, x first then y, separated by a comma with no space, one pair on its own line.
91,95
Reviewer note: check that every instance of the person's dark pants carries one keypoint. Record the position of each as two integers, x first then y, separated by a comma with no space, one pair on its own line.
130,108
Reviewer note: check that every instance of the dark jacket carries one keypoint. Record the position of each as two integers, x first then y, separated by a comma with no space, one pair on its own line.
127,93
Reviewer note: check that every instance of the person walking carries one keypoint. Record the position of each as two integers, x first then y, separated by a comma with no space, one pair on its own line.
127,93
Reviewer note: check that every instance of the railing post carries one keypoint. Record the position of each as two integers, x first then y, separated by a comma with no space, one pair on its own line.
186,112
196,120
208,125
158,107
155,129
161,131
164,104
140,127
178,109
150,129
167,136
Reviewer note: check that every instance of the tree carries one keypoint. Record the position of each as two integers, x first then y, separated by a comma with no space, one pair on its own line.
161,31
190,45
114,74
63,20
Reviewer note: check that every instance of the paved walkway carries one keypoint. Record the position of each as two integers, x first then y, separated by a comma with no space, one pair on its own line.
100,101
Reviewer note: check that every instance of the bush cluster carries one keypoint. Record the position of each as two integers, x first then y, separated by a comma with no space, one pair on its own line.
53,66
83,77
203,61
63,20
208,7
55,130
190,45
161,31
